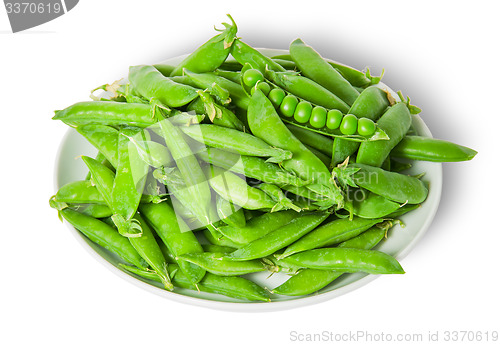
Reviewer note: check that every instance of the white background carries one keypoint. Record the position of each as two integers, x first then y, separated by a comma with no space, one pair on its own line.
443,54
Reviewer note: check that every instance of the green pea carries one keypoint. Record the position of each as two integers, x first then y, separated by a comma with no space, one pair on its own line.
349,124
288,105
264,87
276,96
252,76
318,117
333,119
366,127
302,112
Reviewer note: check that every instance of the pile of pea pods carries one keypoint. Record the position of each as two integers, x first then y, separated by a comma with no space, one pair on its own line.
232,162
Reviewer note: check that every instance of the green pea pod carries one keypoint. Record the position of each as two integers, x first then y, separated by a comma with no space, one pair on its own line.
307,89
313,66
331,233
369,205
212,248
355,77
261,118
164,68
371,103
152,153
148,82
282,202
93,210
175,234
107,113
229,213
235,189
310,280
253,167
220,241
104,235
324,158
432,150
403,210
234,140
208,80
243,53
190,170
129,181
313,139
257,227
217,263
396,122
219,115
103,138
393,186
177,188
104,180
348,260
279,238
234,76
148,249
211,54
234,287
79,192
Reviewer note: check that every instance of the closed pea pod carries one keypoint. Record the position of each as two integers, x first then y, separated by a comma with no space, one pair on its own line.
104,235
104,179
310,280
235,189
189,168
219,115
282,202
229,213
233,140
313,66
220,241
279,238
175,235
393,186
253,167
348,260
331,233
217,263
107,113
152,85
79,192
395,122
211,54
93,210
207,80
148,248
355,77
104,138
432,150
235,287
371,205
258,226
128,183
244,54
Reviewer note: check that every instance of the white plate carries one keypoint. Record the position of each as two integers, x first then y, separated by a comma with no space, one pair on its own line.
399,242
